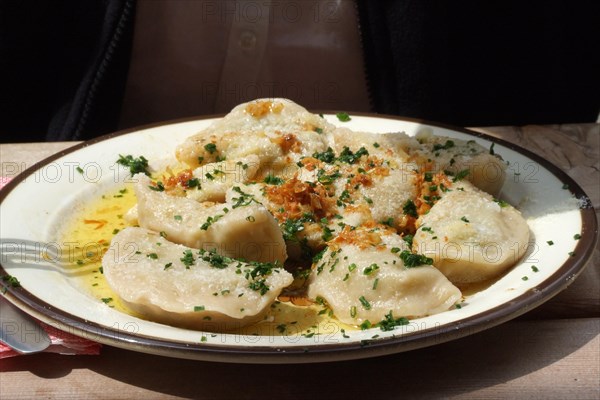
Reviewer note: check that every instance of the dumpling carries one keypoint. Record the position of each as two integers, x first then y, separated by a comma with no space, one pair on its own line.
278,131
481,166
198,289
215,178
332,190
470,236
245,231
384,145
366,274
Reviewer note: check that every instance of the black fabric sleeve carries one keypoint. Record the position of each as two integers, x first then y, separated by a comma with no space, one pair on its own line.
475,63
63,66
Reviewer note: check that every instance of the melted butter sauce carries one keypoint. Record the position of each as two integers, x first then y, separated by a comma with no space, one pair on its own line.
90,232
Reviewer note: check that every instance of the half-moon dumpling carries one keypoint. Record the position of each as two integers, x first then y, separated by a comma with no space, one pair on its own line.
246,231
199,289
484,169
278,131
470,236
366,274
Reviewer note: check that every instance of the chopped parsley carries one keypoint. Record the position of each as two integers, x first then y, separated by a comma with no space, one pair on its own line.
193,183
348,157
135,164
375,283
327,156
501,203
448,145
327,234
273,180
370,269
259,286
325,179
464,219
211,220
210,147
412,260
343,117
409,208
460,175
159,187
11,281
215,260
244,199
187,259
364,302
388,222
389,322
366,325
292,226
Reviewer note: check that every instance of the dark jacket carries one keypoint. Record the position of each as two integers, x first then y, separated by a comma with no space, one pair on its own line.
63,64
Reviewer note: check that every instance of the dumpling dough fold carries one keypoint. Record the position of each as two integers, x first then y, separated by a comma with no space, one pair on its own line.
176,285
470,236
362,277
249,232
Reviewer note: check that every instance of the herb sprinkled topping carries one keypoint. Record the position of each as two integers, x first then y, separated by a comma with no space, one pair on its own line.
135,164
343,117
210,147
409,208
273,180
412,260
365,303
389,322
187,259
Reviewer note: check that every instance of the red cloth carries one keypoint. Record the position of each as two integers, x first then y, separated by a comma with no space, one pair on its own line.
62,342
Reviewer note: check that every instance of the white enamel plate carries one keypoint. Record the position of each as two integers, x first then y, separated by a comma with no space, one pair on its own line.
35,205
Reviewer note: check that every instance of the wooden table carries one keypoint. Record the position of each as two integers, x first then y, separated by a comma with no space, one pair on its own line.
552,352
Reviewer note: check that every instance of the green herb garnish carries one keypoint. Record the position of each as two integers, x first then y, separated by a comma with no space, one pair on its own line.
409,208
135,164
210,147
343,117
412,260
